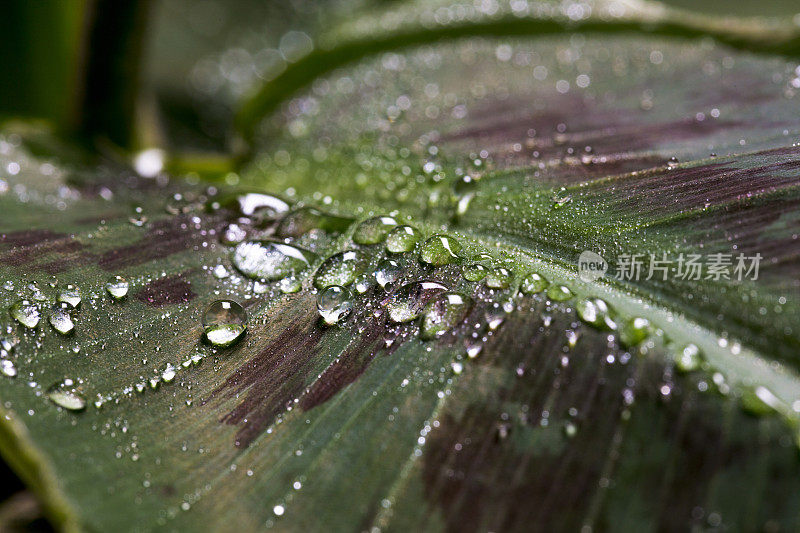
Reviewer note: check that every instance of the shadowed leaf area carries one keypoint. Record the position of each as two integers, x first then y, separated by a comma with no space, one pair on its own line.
439,400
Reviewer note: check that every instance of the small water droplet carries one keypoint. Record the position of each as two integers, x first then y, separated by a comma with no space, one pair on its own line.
340,269
259,206
374,230
224,322
561,198
67,394
169,373
443,314
334,303
117,287
290,285
304,219
408,301
402,239
440,250
61,318
270,260
70,294
533,283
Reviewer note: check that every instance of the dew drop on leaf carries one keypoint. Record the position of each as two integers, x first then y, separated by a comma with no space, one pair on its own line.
498,278
474,272
439,250
7,368
374,230
443,314
67,394
340,269
224,322
270,260
71,295
61,318
408,301
689,359
26,313
117,287
334,303
559,293
634,331
388,272
402,239
533,283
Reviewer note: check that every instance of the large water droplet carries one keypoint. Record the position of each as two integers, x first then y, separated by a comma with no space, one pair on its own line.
302,220
402,239
26,313
474,272
270,260
61,318
340,269
634,331
70,294
559,293
259,206
374,230
67,394
498,278
595,312
439,250
689,359
408,301
533,283
443,314
117,287
388,272
224,322
334,303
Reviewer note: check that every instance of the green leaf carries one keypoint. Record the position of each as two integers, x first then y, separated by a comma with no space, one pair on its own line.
521,413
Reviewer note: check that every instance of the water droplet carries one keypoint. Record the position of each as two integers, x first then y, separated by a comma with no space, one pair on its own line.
559,293
7,368
302,220
474,272
408,301
290,285
439,250
374,230
224,322
67,394
498,278
232,234
689,359
533,283
363,283
117,287
270,260
334,303
70,294
259,206
388,272
570,429
402,239
634,331
595,312
340,269
561,198
169,373
26,313
61,318
760,401
443,314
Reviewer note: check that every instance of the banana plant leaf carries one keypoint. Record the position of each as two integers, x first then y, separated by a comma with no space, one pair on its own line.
567,401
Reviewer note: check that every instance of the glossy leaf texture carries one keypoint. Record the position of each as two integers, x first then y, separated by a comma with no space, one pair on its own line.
521,413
